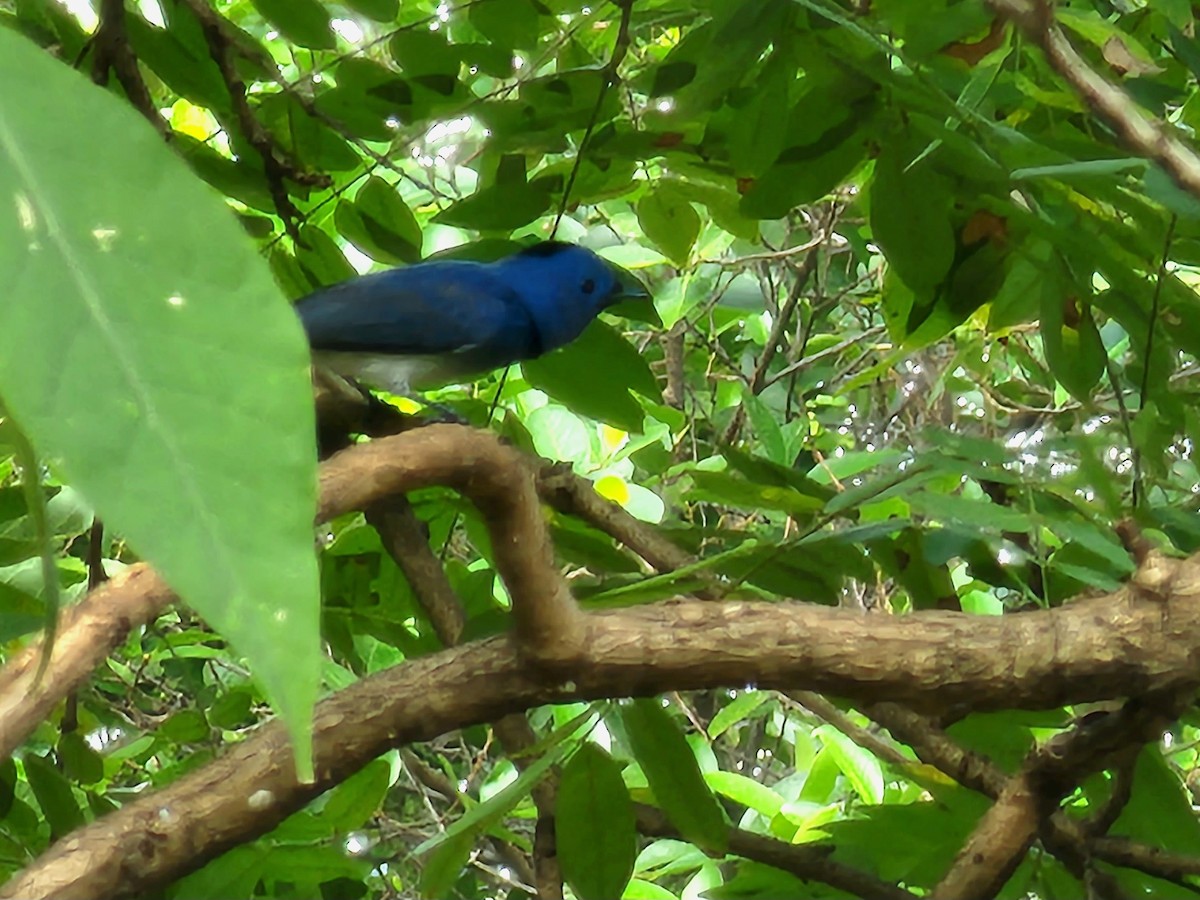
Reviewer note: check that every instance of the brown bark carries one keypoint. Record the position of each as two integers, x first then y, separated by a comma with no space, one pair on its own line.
1106,646
1139,640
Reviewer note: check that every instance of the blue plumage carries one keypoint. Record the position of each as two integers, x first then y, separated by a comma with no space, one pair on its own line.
447,320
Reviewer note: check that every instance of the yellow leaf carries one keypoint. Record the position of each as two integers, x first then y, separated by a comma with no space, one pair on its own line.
406,405
613,488
612,439
192,120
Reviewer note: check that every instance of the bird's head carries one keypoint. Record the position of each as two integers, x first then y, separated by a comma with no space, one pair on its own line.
564,287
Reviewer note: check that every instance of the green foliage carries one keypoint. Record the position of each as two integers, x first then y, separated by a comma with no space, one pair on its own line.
927,332
594,825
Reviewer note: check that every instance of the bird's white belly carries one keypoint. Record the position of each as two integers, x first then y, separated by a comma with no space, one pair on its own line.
396,374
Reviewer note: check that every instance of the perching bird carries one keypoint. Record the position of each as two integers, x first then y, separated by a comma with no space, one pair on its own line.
446,320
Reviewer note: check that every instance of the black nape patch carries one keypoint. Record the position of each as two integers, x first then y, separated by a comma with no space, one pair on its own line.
545,248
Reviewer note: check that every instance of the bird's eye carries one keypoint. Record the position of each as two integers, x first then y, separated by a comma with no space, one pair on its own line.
588,286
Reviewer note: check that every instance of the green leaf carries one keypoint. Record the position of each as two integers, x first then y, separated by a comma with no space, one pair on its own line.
20,612
189,74
502,207
442,869
667,219
1074,351
240,180
512,24
720,487
197,396
767,429
54,795
351,225
910,218
80,762
594,825
379,10
860,767
358,798
804,174
305,137
232,874
735,711
231,710
419,51
594,376
670,768
746,791
759,128
1158,811
321,258
185,727
304,21
483,815
388,220
559,434
973,513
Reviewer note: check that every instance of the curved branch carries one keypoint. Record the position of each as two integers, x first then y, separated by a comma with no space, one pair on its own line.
500,482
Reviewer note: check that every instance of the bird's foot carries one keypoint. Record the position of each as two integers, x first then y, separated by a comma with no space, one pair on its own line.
437,414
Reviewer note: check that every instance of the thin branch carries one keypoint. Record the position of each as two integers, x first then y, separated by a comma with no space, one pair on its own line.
873,743
811,863
276,166
1142,134
620,48
111,51
1029,799
758,380
1173,867
405,540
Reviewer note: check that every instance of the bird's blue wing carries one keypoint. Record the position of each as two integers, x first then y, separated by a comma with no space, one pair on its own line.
435,308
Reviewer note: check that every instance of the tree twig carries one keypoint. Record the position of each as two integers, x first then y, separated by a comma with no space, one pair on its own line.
276,166
1142,134
111,51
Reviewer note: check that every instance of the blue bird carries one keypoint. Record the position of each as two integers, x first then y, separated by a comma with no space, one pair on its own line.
450,320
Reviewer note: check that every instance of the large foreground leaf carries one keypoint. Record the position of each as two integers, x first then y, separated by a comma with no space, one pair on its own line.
146,351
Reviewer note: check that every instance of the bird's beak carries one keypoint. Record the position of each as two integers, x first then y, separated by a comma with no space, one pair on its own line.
632,299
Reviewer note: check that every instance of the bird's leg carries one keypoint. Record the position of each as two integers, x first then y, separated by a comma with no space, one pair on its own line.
439,414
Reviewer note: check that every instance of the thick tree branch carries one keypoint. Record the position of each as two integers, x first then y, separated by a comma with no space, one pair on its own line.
88,633
1062,835
1111,645
1030,798
1141,133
